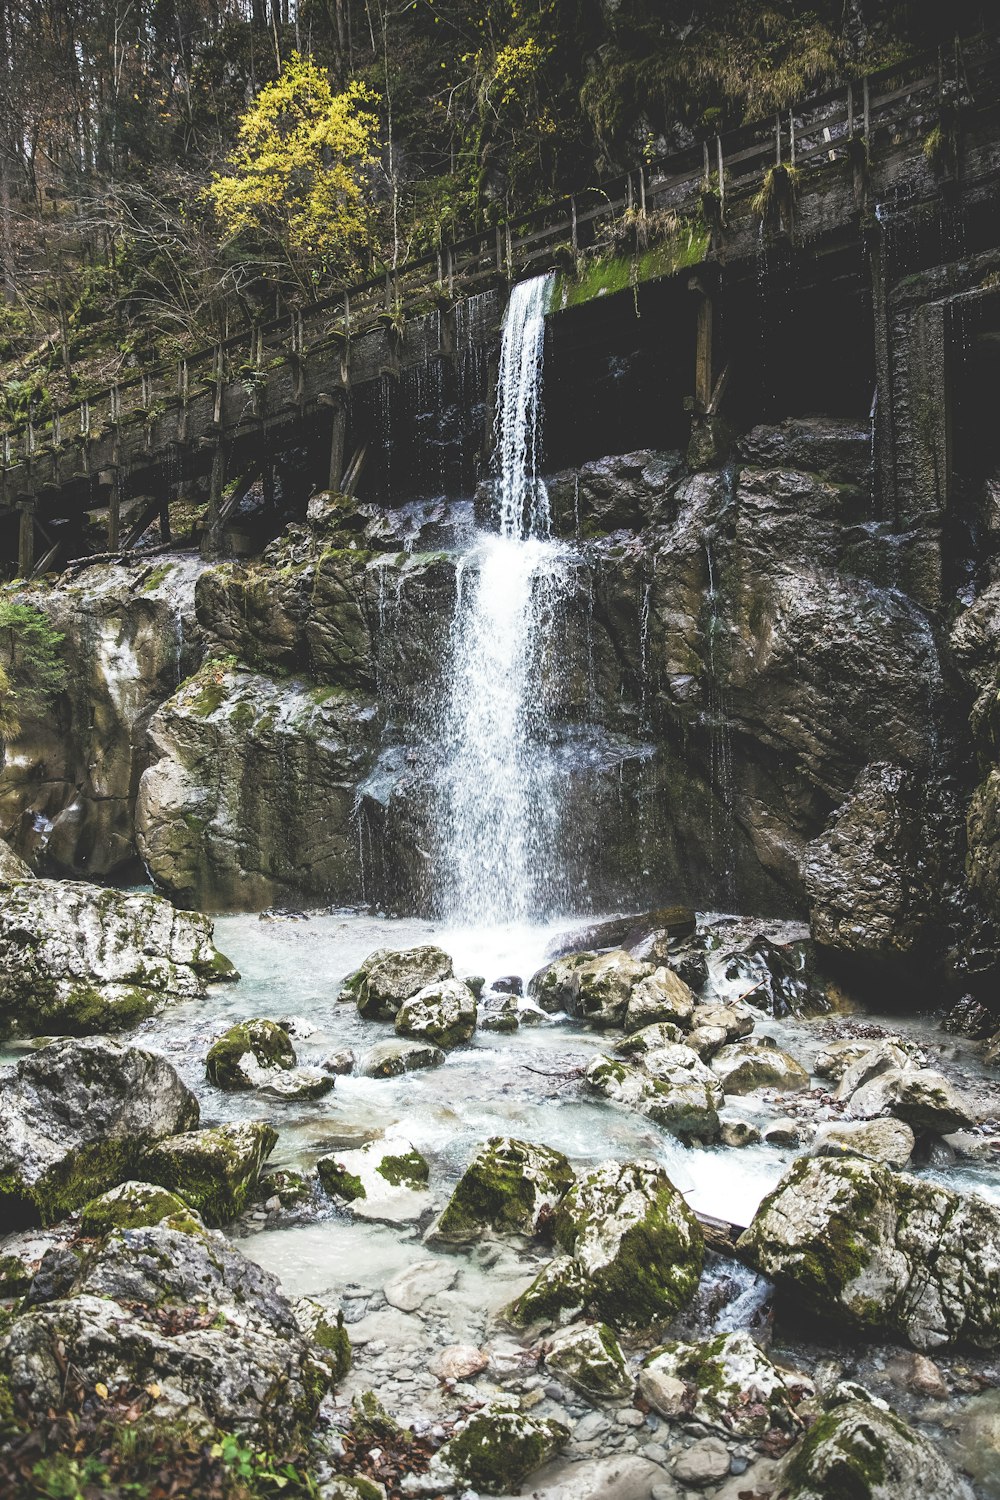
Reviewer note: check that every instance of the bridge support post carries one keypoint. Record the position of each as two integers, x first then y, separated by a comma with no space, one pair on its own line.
338,437
114,515
26,539
704,382
211,542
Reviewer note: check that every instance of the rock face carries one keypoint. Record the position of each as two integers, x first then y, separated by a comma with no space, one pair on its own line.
869,1454
443,1014
510,1187
214,1170
389,977
635,1240
883,1250
75,1119
236,1357
74,958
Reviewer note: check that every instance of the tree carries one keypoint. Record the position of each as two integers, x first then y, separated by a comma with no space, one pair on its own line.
297,176
31,673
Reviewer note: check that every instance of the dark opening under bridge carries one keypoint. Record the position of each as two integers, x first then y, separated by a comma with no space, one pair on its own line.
921,132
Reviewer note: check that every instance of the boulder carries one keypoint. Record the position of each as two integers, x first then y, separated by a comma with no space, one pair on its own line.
736,1020
443,1014
393,1058
880,1058
77,959
727,1383
384,1180
588,1357
248,1053
594,987
498,1448
674,1096
635,1239
509,1187
858,1450
882,1250
388,977
921,1097
12,867
742,1067
184,1313
558,1294
297,1083
76,1118
214,1170
649,1039
663,996
137,1205
887,1141
833,1060
703,1464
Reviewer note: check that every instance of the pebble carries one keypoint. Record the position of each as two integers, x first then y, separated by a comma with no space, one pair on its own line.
629,1416
655,1452
705,1462
594,1425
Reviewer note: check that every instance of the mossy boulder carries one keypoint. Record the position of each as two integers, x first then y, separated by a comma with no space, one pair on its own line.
588,1357
727,1383
859,1451
509,1187
593,987
327,1332
77,959
384,1180
247,1053
878,1249
636,1240
920,1097
393,1058
742,1067
558,1294
649,1039
443,1014
388,977
215,1170
499,1447
663,996
136,1205
675,1097
76,1118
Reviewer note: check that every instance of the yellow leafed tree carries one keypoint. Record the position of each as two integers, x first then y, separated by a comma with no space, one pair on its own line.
298,173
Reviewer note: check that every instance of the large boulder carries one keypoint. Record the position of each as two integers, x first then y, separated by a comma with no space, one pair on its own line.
727,1383
861,1451
75,958
742,1067
214,1170
887,1141
921,1097
635,1239
664,1089
882,1250
594,987
208,1332
442,1013
509,1187
248,1054
498,1448
383,1180
393,1058
388,977
662,996
76,1118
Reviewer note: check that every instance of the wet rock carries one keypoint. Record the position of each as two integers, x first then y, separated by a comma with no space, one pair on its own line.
384,1180
738,1133
504,1017
884,1250
742,1067
12,867
921,1097
78,959
706,1040
340,1063
650,1039
75,1119
609,494
663,996
458,1362
411,1288
137,1205
296,1083
594,987
920,1374
498,1448
557,1295
510,1187
588,1357
833,1060
215,1170
635,1239
443,1014
248,1053
887,1141
860,1451
188,1314
389,977
727,1383
393,1058
836,449
671,1088
735,1020
784,1132
704,1463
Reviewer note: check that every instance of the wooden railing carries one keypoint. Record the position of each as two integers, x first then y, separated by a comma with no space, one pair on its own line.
818,131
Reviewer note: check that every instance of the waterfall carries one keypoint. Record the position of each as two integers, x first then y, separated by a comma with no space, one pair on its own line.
498,782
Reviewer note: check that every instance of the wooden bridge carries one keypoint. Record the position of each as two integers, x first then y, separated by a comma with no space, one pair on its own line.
223,412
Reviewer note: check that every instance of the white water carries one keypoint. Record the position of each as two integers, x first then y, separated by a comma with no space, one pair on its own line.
498,784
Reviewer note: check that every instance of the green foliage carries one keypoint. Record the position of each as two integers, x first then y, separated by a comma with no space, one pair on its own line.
31,673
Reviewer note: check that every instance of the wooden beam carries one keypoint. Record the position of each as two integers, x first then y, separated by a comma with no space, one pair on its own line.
211,544
338,437
26,540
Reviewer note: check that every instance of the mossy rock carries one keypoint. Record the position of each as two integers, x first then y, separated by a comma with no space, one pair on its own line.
861,1453
588,1357
510,1186
134,1205
388,977
215,1170
500,1446
242,1057
728,1384
558,1293
442,1013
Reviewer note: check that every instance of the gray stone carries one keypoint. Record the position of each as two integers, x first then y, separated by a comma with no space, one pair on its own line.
443,1013
742,1067
393,1058
389,977
704,1463
868,1454
888,1141
662,996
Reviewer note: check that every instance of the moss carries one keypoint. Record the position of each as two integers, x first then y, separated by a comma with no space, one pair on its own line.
156,577
15,1278
410,1170
208,689
559,1287
831,1262
496,1192
337,1182
80,1176
370,1420
858,1455
265,1041
214,1170
333,1337
686,244
496,1452
143,1206
84,1010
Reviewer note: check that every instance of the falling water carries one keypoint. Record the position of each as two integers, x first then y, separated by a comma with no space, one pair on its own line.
498,779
